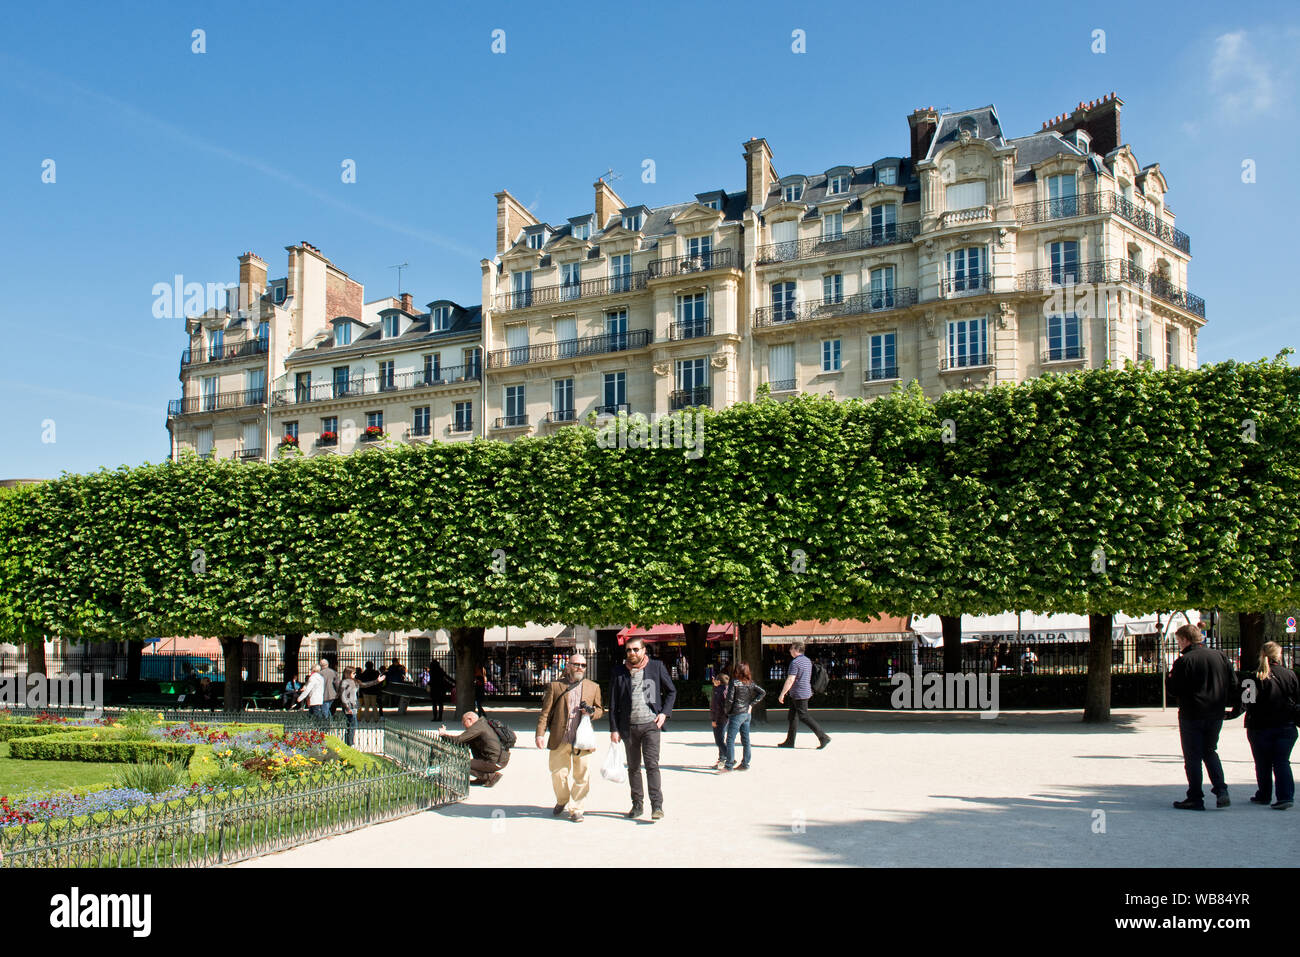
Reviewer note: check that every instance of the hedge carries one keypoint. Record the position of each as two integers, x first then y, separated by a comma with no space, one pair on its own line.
80,745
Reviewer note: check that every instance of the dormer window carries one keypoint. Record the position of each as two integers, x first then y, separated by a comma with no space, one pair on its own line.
343,333
536,240
442,318
391,326
887,176
582,231
278,295
792,193
632,222
838,184
714,203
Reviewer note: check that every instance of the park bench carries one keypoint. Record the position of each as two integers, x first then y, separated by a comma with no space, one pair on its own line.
403,692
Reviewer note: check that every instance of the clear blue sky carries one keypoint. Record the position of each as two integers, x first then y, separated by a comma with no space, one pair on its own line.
171,162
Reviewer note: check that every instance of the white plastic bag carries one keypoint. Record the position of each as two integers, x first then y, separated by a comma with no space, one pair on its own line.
615,767
584,738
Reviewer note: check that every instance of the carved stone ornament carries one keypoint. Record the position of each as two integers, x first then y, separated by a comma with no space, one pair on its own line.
1006,313
662,368
719,361
1002,237
929,324
965,136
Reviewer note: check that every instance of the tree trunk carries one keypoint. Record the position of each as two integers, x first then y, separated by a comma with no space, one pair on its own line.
36,657
1250,624
697,639
232,653
134,654
467,646
292,649
1096,699
750,650
951,643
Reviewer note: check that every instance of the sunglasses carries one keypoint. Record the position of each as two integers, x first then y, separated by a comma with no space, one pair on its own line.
578,664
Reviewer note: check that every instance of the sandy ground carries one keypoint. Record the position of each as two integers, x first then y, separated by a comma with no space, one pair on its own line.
1036,789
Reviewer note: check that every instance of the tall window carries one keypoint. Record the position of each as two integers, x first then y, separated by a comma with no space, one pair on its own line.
432,370
340,381
386,375
391,325
1064,338
964,269
620,273
330,424
1171,347
1065,263
614,391
302,387
420,424
832,226
291,428
830,355
255,386
882,288
517,343
884,356
263,332
700,248
252,439
209,393
462,419
968,342
343,333
884,222
203,442
1061,196
692,316
616,329
521,289
472,359
566,336
442,318
692,377
1144,339
783,301
570,280
832,288
516,412
780,367
374,420
562,395
279,294
216,340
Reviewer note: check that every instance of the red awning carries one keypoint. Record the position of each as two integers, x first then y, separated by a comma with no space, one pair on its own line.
840,630
667,632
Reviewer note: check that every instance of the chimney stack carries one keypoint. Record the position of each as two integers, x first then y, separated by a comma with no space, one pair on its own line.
252,279
924,123
760,174
511,217
608,203
406,303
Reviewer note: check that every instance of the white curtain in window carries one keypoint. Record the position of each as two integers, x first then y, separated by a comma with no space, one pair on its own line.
203,441
565,329
786,232
780,362
252,435
966,195
517,336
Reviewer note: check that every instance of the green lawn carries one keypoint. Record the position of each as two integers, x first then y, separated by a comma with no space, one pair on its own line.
17,777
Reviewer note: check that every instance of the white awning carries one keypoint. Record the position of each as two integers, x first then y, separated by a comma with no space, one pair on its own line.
1035,628
529,634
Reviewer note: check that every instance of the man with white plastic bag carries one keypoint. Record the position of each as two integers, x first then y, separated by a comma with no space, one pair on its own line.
568,708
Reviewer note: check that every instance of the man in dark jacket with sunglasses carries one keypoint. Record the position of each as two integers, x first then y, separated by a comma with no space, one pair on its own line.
641,700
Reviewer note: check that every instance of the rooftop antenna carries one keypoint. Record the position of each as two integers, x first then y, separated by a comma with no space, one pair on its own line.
610,175
399,267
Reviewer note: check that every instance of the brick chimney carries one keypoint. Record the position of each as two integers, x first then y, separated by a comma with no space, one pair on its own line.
608,202
924,123
760,174
252,279
406,302
1098,118
511,217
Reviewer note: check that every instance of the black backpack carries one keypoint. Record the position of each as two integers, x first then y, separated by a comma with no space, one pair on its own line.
820,679
507,736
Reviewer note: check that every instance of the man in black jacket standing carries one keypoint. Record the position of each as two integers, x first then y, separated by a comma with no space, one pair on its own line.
1206,686
641,701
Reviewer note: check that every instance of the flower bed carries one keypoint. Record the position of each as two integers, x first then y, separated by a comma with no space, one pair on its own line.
41,807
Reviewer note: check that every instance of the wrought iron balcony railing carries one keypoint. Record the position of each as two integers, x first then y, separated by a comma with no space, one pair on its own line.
571,292
971,360
968,284
239,350
689,398
562,415
1104,271
683,265
569,348
460,427
510,422
375,384
859,304
882,373
692,329
845,242
217,402
615,409
1074,353
246,455
783,385
1105,202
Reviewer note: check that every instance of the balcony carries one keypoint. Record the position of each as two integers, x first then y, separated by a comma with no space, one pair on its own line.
571,292
217,402
375,384
1106,202
1072,353
562,415
569,349
966,217
461,427
1107,272
693,329
246,455
511,422
847,242
685,265
859,304
689,398
882,373
972,284
620,407
971,360
783,385
240,350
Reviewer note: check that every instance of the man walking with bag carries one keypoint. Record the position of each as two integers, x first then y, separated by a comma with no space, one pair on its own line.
1206,687
798,685
640,703
568,708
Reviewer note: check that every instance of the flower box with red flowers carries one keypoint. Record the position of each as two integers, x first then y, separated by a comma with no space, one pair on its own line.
291,440
328,438
373,432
